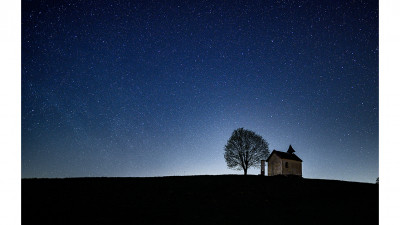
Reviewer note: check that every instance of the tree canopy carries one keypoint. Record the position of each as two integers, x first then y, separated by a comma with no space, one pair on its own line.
245,149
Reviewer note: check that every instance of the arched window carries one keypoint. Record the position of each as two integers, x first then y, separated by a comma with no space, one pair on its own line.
286,165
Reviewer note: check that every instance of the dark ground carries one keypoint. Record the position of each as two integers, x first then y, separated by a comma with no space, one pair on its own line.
224,199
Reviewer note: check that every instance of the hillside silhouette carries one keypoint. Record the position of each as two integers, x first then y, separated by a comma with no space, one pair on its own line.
223,199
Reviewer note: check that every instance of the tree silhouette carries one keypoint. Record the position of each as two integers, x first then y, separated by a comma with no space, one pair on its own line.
245,149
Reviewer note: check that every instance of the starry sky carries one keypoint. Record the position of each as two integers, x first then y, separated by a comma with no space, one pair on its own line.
156,88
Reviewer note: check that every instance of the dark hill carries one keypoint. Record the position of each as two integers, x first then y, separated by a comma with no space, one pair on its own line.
225,199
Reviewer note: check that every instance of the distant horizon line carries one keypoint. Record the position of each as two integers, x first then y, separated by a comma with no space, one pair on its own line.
241,175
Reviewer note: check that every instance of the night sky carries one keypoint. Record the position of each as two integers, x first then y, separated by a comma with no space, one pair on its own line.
148,88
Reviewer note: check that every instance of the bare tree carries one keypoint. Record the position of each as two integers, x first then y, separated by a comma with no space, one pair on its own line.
245,149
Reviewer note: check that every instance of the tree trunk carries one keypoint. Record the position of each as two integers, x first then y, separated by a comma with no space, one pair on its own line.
245,172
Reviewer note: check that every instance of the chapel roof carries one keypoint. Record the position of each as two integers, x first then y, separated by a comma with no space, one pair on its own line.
286,155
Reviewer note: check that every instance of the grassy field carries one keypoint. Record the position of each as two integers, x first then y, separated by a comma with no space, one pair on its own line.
223,199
